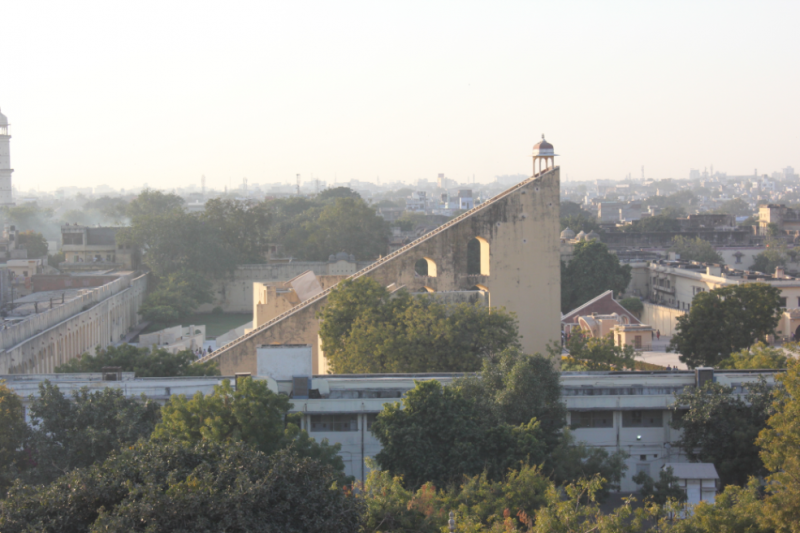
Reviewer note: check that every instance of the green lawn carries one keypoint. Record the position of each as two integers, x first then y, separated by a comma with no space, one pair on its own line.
216,324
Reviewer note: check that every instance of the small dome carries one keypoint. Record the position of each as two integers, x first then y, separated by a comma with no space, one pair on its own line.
592,235
3,120
580,236
331,258
543,148
342,256
567,234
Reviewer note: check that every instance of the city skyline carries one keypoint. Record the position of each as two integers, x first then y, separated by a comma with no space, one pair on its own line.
126,95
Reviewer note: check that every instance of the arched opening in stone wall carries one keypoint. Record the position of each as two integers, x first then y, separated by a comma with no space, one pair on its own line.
425,290
478,257
425,267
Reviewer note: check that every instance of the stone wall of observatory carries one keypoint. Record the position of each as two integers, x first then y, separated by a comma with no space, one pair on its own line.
98,318
518,233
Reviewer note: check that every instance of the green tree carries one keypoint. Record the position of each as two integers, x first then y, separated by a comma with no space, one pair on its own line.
175,241
735,510
633,304
251,413
337,192
581,222
726,320
176,296
13,434
55,260
571,461
665,222
759,356
34,243
478,499
719,426
151,203
68,433
774,256
575,508
111,209
31,217
779,451
590,353
347,225
661,490
576,218
569,209
592,271
696,249
517,388
243,228
144,362
364,330
736,207
169,487
439,436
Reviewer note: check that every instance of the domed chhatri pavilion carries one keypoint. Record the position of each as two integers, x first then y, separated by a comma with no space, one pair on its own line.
544,155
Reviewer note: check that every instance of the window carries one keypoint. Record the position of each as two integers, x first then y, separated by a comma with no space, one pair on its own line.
370,420
783,302
592,419
334,423
678,414
798,301
637,342
642,419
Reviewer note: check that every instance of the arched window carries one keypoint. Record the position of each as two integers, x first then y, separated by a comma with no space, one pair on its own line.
478,256
425,267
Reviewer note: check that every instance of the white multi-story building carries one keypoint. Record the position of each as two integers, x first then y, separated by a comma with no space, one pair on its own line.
615,411
5,163
675,284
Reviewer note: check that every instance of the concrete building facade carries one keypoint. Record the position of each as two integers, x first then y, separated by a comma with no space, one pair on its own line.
97,318
517,233
614,411
674,284
93,248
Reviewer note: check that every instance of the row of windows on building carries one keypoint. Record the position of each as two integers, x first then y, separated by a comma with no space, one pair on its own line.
340,422
579,420
605,419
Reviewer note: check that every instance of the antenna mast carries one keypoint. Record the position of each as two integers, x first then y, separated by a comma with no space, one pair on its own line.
298,185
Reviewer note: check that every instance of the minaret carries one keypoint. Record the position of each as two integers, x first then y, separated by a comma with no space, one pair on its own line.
5,163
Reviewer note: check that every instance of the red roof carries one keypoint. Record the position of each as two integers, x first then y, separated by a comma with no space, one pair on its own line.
605,304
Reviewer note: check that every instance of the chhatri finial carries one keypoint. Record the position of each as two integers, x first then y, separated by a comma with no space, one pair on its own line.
542,136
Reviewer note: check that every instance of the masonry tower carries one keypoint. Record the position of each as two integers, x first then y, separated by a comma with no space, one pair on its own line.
5,163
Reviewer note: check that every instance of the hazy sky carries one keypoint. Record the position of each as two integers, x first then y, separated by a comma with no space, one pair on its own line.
161,92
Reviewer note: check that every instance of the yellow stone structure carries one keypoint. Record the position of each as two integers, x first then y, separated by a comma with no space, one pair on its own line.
517,233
